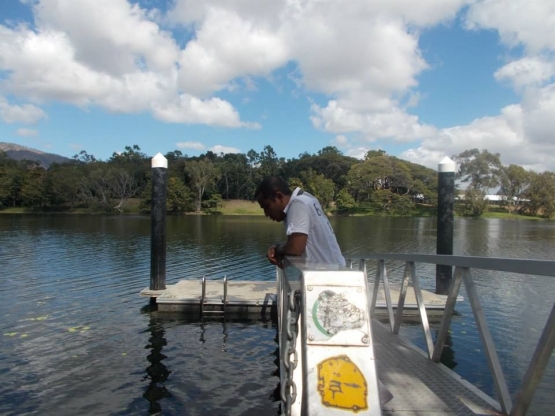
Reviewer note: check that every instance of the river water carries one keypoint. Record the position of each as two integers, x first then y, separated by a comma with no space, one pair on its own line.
78,339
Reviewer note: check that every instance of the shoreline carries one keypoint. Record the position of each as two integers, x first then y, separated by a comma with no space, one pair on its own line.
235,207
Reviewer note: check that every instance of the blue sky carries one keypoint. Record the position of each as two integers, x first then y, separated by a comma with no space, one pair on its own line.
421,80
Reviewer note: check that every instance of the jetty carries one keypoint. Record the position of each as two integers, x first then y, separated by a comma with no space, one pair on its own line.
336,357
253,298
349,333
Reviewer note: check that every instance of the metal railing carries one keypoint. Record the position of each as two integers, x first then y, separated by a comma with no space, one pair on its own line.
462,273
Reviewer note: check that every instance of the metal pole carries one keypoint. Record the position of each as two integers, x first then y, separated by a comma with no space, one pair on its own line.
445,214
158,223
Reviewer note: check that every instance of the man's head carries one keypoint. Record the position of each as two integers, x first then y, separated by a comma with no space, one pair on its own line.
273,195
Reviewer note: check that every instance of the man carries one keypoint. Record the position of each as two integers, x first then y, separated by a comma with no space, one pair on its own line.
309,233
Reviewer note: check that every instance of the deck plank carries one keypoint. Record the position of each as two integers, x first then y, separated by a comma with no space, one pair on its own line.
420,386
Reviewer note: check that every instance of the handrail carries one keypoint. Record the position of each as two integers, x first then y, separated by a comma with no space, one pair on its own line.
524,266
462,273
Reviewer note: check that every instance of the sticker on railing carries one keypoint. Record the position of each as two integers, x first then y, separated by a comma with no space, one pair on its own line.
337,317
341,384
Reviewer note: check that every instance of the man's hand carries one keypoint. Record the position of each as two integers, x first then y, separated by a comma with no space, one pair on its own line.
274,257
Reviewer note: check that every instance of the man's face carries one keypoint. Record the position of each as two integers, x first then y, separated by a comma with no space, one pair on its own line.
273,208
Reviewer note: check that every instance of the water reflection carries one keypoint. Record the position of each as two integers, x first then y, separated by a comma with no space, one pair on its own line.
203,321
156,372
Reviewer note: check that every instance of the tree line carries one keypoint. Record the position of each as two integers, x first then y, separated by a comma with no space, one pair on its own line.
378,184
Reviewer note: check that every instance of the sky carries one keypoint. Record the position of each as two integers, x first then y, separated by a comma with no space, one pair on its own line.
421,80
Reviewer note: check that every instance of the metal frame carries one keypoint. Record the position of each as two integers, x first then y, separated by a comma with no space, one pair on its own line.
203,298
462,273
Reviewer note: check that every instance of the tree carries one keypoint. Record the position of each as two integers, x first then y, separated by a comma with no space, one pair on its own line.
482,171
202,174
424,182
386,202
372,175
235,181
12,175
62,185
134,162
178,198
213,202
122,186
344,201
474,202
329,150
319,186
269,162
540,195
328,162
94,186
32,191
84,157
514,181
374,153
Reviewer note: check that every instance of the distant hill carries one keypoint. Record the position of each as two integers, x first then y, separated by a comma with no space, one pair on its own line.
17,152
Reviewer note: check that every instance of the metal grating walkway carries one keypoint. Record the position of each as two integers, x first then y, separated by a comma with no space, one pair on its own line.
419,386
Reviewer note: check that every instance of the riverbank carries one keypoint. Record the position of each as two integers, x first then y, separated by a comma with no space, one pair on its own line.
243,207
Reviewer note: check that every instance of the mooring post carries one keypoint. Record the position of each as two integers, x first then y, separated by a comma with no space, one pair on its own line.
445,214
158,223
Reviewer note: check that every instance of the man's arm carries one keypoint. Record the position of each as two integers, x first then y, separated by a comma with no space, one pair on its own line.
294,246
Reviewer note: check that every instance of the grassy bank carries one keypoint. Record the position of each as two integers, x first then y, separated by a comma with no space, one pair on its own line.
241,207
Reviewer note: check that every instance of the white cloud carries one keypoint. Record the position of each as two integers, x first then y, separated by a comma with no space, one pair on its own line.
341,140
190,145
227,46
538,110
109,36
357,152
378,55
528,71
25,114
44,67
190,109
522,133
519,22
27,132
103,53
218,149
224,149
519,134
394,123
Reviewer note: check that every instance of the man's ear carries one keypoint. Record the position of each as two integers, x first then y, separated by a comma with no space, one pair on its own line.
279,196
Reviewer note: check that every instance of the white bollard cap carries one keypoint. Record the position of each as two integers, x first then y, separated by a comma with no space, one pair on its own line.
446,165
159,161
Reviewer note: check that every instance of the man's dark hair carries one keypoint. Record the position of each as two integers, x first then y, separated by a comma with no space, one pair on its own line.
270,185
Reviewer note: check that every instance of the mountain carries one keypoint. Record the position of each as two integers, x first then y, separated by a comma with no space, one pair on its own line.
17,152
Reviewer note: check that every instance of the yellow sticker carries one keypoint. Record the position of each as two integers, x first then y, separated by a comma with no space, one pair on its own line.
341,384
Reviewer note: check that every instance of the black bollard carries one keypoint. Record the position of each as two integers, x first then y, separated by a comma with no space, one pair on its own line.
158,223
445,214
